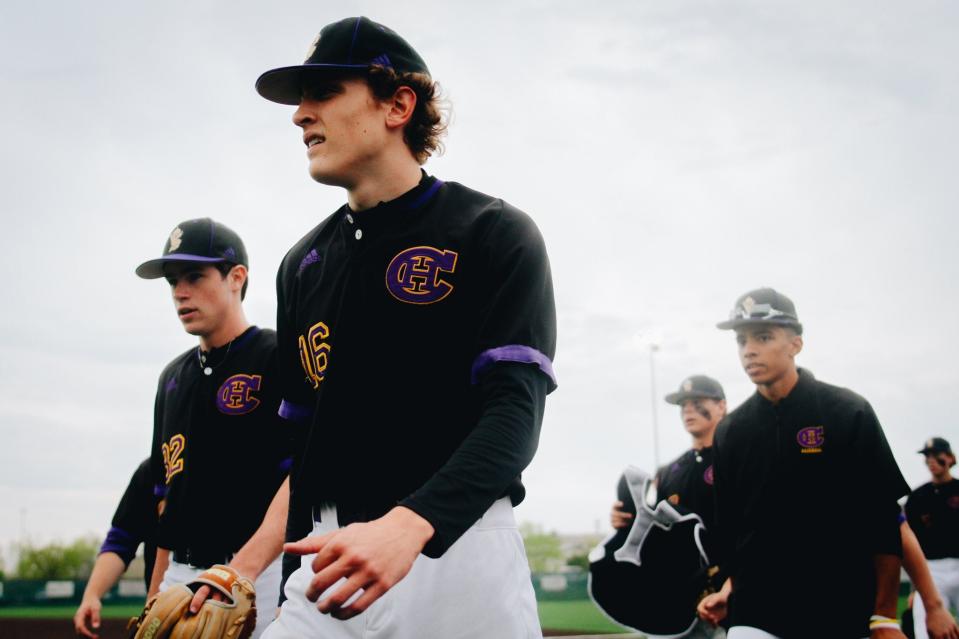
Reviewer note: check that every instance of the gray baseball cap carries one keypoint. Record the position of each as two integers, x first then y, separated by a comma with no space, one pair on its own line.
763,306
697,387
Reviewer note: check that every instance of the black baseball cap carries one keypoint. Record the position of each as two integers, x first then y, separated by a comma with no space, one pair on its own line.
201,240
936,445
352,44
763,306
697,387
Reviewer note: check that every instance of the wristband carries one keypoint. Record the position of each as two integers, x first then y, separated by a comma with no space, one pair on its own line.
880,621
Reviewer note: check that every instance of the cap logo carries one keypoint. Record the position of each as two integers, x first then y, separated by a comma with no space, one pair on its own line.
748,305
811,439
176,238
930,444
312,49
229,253
382,60
688,385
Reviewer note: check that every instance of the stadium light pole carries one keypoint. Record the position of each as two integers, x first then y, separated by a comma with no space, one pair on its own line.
653,348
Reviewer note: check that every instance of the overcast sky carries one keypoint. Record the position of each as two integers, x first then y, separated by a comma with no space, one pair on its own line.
674,154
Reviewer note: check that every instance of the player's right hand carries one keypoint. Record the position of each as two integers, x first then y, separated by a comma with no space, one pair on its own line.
619,518
712,608
87,618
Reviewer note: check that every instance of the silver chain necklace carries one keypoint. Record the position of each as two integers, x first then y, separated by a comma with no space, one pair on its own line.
201,359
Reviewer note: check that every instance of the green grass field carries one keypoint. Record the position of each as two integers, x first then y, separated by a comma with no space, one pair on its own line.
557,615
573,615
111,611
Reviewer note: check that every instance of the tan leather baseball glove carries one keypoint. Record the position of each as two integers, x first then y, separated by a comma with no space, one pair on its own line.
165,615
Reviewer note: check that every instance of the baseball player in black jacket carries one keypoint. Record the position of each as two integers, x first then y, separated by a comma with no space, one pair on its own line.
803,559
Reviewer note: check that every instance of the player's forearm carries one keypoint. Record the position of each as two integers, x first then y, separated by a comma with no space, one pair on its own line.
914,561
489,459
106,571
887,584
159,569
267,542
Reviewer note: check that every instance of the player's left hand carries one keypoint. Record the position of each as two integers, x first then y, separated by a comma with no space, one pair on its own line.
886,633
371,556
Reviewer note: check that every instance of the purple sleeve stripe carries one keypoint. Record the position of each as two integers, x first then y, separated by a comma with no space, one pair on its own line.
294,412
511,353
159,490
902,518
285,466
120,542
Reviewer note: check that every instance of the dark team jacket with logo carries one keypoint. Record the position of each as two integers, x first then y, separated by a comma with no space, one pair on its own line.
135,522
220,452
416,341
932,511
806,495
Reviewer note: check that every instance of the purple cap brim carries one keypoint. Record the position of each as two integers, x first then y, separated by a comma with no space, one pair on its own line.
153,269
284,85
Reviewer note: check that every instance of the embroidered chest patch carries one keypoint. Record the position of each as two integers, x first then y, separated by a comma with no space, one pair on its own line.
415,276
811,439
235,396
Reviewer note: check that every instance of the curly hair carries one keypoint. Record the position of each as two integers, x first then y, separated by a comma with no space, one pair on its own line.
429,121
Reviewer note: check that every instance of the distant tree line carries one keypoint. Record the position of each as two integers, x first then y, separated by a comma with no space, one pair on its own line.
57,560
75,560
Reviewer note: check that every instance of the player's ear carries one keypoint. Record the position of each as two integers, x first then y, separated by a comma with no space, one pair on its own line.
400,107
795,343
237,277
